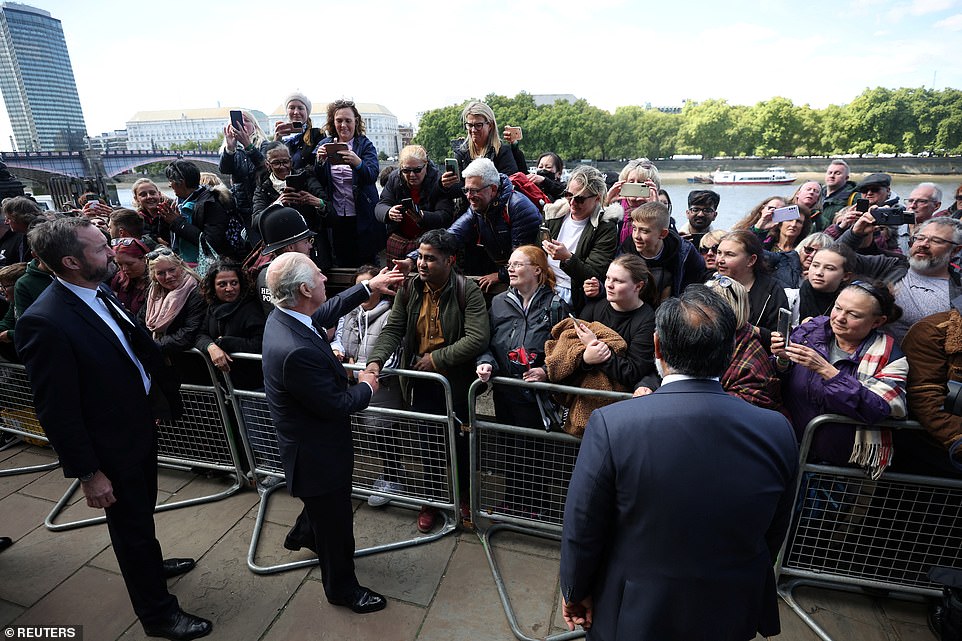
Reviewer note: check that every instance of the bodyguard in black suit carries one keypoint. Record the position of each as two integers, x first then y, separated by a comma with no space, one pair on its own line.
311,403
96,378
680,499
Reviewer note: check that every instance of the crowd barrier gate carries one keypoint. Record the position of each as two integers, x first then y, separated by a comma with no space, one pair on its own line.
201,438
519,480
849,532
18,414
411,437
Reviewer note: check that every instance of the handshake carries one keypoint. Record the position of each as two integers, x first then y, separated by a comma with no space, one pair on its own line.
370,375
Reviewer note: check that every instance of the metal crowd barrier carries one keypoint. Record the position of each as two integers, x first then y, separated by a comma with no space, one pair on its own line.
200,439
410,438
850,533
18,415
519,480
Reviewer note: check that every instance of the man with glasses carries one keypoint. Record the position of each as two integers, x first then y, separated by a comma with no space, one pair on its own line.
702,211
499,220
926,282
924,201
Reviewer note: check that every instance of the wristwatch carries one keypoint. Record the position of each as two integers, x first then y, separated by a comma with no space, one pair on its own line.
86,477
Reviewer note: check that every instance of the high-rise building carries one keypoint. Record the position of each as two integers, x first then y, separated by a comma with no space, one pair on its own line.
37,81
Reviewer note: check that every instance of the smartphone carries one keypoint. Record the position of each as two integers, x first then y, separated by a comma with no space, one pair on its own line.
333,155
789,212
544,234
515,133
237,120
407,204
297,125
297,182
784,325
635,190
861,205
451,164
574,320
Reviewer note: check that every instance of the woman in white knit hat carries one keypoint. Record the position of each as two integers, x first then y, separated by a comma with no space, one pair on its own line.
298,132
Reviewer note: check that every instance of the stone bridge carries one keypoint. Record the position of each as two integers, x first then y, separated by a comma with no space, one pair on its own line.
40,166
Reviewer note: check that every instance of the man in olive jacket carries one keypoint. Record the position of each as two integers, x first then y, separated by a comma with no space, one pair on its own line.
440,322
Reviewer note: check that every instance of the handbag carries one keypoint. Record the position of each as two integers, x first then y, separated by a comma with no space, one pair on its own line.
553,413
945,615
398,247
206,256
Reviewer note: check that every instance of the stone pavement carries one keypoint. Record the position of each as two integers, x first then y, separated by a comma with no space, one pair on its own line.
442,591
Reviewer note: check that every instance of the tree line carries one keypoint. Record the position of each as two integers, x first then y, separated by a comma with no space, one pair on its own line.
879,121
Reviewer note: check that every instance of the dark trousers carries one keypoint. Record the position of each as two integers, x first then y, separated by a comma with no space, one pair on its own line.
428,397
348,251
130,522
329,518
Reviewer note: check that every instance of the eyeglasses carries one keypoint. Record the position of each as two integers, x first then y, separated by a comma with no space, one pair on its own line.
932,240
704,251
918,201
701,210
474,125
811,249
517,265
412,170
127,242
471,191
871,189
579,199
280,163
157,253
958,197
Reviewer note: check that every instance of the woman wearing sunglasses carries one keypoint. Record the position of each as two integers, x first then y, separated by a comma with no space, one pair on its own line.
131,281
412,202
582,241
708,248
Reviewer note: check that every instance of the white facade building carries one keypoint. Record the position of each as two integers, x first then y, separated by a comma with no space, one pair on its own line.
161,129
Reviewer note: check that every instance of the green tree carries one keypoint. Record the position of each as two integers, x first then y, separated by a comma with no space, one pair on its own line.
706,128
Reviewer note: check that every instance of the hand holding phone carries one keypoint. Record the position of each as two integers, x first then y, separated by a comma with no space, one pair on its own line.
784,324
451,165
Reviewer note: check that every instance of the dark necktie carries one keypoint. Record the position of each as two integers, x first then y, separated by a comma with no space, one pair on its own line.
125,323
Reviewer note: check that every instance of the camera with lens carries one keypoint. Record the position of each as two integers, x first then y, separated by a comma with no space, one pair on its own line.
893,216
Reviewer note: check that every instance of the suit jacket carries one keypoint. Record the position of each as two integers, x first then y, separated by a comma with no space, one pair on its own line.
90,398
677,507
311,401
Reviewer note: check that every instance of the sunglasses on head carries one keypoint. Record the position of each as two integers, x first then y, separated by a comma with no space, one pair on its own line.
127,242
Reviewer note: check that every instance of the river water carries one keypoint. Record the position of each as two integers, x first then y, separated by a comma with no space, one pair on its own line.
736,200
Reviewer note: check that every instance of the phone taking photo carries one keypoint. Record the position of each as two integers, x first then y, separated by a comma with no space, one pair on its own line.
236,120
784,325
451,164
635,190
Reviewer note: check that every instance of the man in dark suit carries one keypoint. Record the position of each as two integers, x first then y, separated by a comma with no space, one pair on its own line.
96,377
680,499
311,403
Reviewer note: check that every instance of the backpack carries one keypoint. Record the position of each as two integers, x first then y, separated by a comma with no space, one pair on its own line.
255,262
523,184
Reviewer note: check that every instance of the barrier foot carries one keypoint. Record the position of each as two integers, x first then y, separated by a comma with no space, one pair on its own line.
450,525
163,507
485,536
27,469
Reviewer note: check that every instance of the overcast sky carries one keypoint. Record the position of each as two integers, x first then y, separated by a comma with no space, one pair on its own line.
417,55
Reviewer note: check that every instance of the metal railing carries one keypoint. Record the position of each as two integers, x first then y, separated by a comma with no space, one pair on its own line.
418,446
850,532
18,415
519,480
201,439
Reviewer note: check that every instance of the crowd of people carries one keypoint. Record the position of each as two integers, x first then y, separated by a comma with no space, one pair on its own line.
836,309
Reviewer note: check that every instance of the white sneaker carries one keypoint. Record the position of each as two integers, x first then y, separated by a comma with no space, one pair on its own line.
383,485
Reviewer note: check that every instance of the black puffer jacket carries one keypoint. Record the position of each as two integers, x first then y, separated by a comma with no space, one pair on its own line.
245,168
437,208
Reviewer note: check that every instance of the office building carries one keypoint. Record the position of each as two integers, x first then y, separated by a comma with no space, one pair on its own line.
37,81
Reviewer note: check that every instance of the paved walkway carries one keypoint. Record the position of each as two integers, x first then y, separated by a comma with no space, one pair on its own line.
443,591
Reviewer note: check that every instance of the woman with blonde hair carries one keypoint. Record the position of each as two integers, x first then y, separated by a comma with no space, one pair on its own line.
750,374
242,158
482,141
412,202
619,206
175,307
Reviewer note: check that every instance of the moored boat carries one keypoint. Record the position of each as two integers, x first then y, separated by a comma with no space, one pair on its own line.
770,176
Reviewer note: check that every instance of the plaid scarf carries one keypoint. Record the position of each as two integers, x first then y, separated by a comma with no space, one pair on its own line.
886,377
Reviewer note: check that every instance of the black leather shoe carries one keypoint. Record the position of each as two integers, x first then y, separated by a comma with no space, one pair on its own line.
5,542
176,567
294,543
365,601
180,626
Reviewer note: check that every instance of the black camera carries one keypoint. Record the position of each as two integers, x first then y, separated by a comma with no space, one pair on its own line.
893,216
